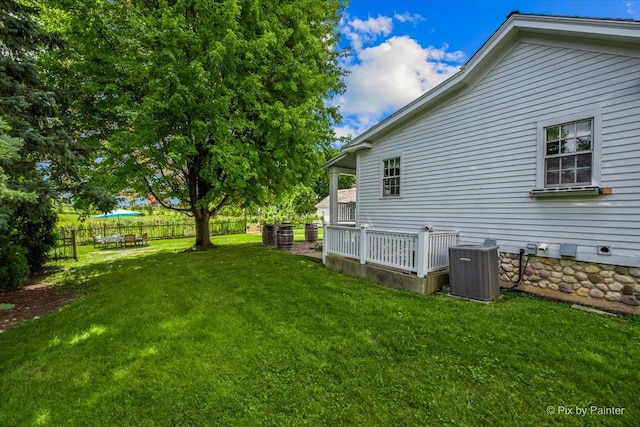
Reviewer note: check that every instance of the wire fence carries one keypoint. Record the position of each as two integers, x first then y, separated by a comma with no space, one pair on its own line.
155,230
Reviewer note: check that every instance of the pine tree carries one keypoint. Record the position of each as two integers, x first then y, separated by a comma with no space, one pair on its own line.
30,141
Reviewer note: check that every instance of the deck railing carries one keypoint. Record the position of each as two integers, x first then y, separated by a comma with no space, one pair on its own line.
392,249
418,252
344,241
347,212
439,242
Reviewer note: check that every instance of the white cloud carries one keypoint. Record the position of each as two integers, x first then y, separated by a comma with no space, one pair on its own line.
354,124
373,26
346,130
386,76
630,5
393,74
409,17
359,32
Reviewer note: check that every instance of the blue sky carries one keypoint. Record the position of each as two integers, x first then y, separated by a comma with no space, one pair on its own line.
401,49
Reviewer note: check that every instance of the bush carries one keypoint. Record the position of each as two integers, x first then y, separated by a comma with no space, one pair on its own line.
14,268
34,230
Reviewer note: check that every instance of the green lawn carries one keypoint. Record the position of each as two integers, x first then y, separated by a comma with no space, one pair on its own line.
245,335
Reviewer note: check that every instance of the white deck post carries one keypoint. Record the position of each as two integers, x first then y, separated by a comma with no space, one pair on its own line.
363,244
421,256
333,196
325,243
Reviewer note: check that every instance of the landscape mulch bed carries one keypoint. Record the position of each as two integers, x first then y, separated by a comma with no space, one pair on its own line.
31,301
307,249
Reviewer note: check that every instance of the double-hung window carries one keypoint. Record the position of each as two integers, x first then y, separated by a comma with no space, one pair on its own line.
391,177
568,154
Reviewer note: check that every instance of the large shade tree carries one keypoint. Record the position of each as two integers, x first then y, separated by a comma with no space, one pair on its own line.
202,103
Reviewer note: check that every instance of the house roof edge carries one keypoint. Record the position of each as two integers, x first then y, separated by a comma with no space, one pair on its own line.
515,24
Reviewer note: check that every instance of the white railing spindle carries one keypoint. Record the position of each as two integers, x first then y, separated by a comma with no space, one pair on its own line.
418,252
347,212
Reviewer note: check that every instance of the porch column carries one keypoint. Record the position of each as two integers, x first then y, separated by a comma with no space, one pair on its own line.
333,196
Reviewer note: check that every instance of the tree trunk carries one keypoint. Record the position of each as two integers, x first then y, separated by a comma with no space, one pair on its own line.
203,241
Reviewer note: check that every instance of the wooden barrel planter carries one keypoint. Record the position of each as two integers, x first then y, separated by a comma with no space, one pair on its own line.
311,233
269,234
274,235
285,237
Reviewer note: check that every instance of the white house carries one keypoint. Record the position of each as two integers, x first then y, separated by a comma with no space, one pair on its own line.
534,143
346,206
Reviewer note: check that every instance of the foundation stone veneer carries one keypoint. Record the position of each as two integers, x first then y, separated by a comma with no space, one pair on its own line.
584,280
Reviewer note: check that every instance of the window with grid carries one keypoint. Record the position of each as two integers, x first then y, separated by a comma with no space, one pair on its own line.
391,177
568,154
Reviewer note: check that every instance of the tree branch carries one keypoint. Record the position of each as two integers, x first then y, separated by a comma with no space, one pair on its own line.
165,204
220,205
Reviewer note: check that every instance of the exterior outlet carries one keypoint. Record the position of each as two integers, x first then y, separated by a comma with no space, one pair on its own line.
604,250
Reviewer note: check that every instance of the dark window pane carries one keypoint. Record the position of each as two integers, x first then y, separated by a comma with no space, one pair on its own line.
584,176
583,160
568,177
552,148
553,164
553,178
568,162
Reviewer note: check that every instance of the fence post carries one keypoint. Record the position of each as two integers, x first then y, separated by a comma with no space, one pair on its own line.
423,249
244,214
73,243
363,244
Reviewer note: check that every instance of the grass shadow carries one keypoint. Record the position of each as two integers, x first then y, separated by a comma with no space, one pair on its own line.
95,263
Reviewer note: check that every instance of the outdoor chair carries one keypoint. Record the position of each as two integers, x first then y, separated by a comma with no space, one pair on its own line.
143,240
130,238
98,241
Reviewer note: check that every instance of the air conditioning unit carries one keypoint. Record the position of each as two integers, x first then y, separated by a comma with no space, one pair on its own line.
473,272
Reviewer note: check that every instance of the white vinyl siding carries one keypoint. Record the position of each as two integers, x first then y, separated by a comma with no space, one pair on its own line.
475,158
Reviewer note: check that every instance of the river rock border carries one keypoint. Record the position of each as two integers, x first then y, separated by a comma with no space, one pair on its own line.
600,281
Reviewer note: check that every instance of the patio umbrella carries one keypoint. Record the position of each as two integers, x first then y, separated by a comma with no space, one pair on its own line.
117,214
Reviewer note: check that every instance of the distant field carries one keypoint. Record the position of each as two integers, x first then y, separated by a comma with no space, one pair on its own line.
67,218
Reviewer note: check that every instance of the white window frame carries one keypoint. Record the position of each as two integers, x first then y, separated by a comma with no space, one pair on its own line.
596,138
383,178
